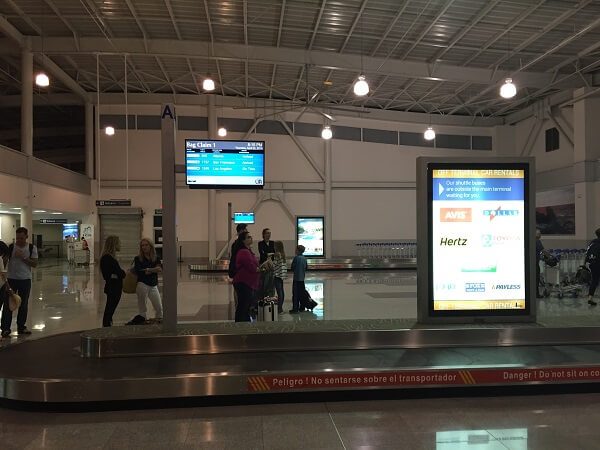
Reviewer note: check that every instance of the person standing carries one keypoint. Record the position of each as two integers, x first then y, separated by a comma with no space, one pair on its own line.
22,257
237,244
246,278
540,253
280,267
4,288
299,266
113,278
147,267
266,247
592,257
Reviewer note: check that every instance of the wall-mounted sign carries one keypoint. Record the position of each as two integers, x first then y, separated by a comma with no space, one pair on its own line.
310,232
53,221
158,212
113,202
243,217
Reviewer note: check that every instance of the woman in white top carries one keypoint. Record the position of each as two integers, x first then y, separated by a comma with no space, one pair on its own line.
280,268
3,265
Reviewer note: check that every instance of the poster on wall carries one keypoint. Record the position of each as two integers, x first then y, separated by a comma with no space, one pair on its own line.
555,211
310,233
87,233
478,222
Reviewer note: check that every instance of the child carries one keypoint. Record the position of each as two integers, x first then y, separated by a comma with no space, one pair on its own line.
299,266
280,273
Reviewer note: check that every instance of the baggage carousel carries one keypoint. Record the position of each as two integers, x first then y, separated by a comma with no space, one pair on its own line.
137,363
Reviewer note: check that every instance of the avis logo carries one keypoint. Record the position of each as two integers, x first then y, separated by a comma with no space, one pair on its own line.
456,215
493,213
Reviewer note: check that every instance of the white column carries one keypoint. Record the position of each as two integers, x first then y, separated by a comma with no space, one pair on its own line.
212,193
328,213
168,218
89,140
27,130
586,151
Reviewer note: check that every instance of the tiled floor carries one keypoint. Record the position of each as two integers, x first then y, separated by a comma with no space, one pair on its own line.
66,298
557,422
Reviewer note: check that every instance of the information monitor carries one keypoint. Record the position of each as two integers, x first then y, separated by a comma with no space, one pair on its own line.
211,164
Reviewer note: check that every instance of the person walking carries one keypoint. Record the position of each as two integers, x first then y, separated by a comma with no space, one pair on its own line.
22,258
246,278
280,267
266,247
147,267
299,266
113,278
592,257
4,288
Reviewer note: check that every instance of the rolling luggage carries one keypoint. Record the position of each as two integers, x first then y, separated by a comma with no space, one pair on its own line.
306,302
267,311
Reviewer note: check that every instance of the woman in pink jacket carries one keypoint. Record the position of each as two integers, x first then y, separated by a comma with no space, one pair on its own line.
246,278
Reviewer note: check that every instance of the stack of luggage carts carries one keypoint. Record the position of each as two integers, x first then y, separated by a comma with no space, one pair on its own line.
564,273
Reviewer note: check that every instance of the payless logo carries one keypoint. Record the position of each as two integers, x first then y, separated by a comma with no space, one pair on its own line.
506,287
499,212
456,215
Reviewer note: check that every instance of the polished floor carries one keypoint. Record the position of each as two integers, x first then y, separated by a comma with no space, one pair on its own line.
558,422
66,298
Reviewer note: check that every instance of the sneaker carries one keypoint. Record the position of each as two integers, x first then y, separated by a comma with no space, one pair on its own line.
23,331
592,302
5,334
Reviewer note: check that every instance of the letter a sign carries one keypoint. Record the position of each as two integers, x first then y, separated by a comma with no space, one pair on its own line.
167,112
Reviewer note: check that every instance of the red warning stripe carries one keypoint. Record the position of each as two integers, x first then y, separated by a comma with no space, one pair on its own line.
424,378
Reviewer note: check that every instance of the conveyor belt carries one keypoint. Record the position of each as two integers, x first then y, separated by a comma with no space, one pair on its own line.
51,370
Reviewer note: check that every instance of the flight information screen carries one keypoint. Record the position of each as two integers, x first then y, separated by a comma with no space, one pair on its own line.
478,229
224,164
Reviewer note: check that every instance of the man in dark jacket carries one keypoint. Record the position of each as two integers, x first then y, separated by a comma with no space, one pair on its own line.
592,257
240,228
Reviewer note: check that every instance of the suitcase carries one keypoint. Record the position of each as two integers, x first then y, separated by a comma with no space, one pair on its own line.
267,311
306,302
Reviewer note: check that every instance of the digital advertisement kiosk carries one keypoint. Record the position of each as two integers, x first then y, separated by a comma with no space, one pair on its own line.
476,240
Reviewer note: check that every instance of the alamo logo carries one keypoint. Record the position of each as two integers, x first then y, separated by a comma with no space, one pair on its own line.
506,287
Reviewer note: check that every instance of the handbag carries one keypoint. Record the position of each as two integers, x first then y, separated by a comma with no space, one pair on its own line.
130,282
14,299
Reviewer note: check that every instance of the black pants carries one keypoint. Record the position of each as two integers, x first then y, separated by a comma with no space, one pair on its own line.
245,295
23,288
113,296
595,269
280,293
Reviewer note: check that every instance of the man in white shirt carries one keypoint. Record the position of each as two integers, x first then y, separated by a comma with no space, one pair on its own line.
23,257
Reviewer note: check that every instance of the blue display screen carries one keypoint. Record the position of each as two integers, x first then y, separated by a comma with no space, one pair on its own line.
243,217
224,164
70,230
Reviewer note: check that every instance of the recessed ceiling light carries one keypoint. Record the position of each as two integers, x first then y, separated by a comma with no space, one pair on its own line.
39,211
4,212
56,213
19,209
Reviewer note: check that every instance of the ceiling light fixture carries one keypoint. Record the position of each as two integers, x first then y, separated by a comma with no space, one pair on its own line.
208,84
429,134
326,132
39,211
361,87
42,80
110,131
56,213
508,89
222,131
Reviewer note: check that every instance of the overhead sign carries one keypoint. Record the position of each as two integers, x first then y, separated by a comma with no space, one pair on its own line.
113,202
478,228
52,221
158,212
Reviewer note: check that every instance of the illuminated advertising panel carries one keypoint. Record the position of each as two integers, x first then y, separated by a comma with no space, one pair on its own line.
310,232
478,251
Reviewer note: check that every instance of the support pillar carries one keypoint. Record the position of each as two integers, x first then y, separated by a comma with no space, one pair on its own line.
168,122
27,131
89,140
328,212
212,193
586,152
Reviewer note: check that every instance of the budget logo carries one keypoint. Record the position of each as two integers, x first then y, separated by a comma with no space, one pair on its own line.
474,287
499,212
456,215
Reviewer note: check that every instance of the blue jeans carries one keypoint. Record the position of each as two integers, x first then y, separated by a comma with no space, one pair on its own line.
297,291
23,288
280,293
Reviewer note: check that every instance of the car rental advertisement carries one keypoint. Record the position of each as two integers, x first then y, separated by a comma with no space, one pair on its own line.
477,236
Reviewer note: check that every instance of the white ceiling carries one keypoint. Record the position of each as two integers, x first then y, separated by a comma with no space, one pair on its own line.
433,56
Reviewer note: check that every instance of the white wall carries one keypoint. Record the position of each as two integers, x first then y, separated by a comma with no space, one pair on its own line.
8,226
359,213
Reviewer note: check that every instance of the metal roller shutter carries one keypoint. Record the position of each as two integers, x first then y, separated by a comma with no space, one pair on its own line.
129,229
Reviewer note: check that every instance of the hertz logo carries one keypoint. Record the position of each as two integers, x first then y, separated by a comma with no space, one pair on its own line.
456,215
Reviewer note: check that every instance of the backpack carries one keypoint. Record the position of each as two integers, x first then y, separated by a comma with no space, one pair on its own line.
592,254
11,248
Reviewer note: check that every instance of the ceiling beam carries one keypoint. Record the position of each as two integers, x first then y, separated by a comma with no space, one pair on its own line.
285,56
